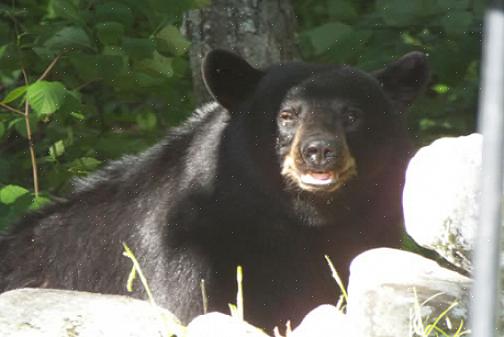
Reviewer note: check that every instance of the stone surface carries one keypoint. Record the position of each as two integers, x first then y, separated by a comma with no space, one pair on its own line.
441,197
324,320
63,313
215,324
393,293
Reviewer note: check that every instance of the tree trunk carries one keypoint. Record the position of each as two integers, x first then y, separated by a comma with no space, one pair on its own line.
262,31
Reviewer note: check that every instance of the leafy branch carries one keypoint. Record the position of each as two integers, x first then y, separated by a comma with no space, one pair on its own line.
117,66
26,115
11,109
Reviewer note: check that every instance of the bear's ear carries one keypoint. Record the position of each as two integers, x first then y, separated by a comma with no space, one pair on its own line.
403,79
229,78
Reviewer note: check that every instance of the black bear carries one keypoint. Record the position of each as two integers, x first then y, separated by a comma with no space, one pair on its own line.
294,162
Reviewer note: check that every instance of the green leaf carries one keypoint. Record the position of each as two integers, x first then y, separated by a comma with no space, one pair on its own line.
110,33
396,12
64,9
72,105
9,58
2,130
146,120
19,125
94,67
145,80
69,38
456,22
10,193
449,61
78,116
410,39
400,13
83,165
158,65
441,88
57,149
138,48
170,41
39,202
114,11
12,211
325,36
14,94
46,97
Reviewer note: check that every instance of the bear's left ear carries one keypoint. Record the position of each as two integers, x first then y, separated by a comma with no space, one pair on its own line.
403,79
229,78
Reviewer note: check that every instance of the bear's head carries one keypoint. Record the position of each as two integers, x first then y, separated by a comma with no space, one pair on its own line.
328,123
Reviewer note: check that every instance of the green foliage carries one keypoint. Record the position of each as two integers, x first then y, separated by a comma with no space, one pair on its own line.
117,77
45,97
10,193
369,34
15,94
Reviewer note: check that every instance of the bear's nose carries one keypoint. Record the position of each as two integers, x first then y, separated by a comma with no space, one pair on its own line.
319,154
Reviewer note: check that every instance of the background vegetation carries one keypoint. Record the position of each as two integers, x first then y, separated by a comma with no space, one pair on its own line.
85,81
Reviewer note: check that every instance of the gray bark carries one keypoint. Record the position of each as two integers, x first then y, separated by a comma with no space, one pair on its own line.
262,31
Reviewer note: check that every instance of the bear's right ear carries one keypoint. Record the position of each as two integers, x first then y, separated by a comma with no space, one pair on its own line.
403,79
229,78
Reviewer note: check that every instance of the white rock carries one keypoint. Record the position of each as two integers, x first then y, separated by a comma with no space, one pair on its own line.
441,197
324,320
216,324
63,313
392,291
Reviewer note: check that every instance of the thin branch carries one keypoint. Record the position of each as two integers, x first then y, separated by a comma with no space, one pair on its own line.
8,107
49,68
44,75
30,141
78,88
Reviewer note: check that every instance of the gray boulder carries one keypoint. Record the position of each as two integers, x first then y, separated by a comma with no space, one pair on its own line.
216,324
395,293
441,197
63,313
324,320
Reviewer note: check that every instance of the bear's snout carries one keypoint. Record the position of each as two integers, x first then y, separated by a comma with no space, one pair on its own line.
320,154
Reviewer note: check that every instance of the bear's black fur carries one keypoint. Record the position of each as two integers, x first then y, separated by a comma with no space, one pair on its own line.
297,161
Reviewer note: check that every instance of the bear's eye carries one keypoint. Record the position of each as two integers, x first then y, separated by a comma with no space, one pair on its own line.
287,115
351,116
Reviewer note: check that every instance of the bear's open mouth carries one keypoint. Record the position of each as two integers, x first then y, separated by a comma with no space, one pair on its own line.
318,178
313,181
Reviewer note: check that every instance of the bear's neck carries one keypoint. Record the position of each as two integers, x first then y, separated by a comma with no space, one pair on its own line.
356,205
